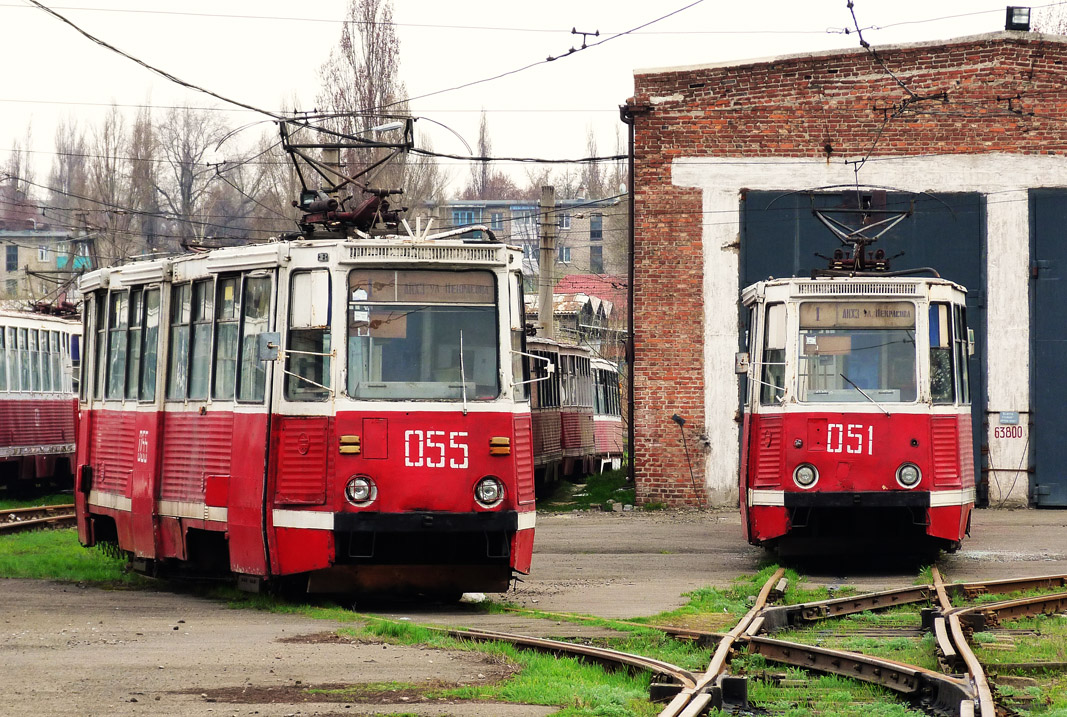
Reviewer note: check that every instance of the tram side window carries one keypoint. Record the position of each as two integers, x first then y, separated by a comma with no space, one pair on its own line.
10,359
178,365
546,385
35,361
200,340
118,316
772,379
307,360
55,354
255,311
227,317
942,381
99,364
150,348
962,352
24,360
3,361
519,373
133,362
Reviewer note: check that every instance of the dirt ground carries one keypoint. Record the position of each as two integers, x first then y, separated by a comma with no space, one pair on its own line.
69,650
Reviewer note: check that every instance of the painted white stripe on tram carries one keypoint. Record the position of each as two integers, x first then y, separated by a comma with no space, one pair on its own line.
15,451
190,509
527,520
110,500
766,497
317,520
943,498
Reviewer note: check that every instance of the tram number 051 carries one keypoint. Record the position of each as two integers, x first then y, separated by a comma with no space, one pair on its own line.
850,438
429,448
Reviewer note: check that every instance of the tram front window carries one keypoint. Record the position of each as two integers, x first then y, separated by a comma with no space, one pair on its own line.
857,351
423,335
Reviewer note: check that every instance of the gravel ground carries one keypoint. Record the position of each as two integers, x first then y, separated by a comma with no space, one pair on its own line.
68,650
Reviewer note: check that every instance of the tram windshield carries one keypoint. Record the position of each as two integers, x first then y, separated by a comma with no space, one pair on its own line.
857,351
422,335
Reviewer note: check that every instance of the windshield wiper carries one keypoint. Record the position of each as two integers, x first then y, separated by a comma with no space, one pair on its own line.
864,393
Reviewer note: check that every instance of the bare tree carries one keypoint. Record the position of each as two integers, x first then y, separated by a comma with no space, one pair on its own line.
361,87
485,181
187,138
69,177
143,168
594,177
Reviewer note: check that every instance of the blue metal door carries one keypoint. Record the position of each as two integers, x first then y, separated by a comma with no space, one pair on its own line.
780,237
1048,341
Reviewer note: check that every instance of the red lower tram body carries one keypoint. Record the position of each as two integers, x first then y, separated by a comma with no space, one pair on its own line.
857,460
37,440
609,440
226,491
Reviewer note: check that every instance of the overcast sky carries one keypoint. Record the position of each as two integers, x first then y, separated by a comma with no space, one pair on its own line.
268,52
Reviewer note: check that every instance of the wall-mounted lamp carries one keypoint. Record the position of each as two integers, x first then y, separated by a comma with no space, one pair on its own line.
685,444
1018,18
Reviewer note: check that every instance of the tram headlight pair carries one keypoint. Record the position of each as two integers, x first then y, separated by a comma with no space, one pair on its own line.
360,491
805,475
908,475
489,492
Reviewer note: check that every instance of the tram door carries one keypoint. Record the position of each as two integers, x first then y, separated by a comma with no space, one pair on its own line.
1048,337
781,237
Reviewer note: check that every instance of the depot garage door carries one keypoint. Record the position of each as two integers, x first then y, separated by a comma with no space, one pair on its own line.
780,237
1048,345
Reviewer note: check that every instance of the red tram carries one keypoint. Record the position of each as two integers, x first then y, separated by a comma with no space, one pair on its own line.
39,357
349,413
857,414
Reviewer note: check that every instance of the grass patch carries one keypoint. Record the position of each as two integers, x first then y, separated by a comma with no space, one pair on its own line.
598,489
57,555
7,502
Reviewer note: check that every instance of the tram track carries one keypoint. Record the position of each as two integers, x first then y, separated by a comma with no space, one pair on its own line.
962,690
18,520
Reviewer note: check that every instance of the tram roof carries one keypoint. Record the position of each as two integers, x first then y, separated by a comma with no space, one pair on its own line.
385,250
869,286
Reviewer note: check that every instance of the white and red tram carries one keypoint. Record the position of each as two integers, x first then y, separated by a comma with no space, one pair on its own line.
352,412
38,406
857,415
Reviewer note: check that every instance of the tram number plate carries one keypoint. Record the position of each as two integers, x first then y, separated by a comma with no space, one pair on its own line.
854,438
432,450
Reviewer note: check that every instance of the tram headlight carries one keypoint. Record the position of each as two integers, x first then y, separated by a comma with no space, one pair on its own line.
909,475
489,491
805,475
361,491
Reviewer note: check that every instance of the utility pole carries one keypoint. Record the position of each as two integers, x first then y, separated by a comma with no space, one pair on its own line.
547,263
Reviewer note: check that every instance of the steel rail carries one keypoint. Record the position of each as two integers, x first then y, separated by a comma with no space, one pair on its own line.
16,526
600,655
941,692
778,618
36,509
692,701
959,645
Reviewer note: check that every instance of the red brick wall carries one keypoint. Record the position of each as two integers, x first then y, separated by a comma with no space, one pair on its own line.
1005,93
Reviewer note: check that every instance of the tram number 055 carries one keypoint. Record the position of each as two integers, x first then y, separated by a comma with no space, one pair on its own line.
850,438
429,448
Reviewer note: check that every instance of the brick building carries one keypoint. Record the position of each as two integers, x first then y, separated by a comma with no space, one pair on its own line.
727,156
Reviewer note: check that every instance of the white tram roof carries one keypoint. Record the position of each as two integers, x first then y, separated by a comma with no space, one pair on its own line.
546,344
844,287
377,251
13,316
